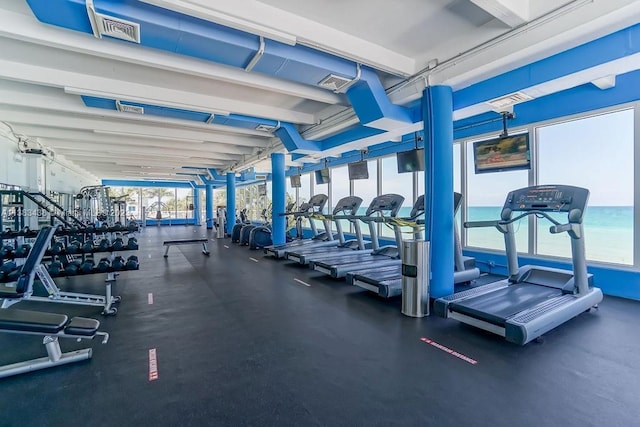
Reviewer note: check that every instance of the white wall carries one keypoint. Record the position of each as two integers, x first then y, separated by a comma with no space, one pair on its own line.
25,171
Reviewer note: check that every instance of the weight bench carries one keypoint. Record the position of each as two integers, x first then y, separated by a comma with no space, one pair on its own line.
22,289
169,243
52,326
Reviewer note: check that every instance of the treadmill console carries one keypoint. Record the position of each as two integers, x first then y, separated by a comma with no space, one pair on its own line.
418,207
386,203
548,198
348,205
318,202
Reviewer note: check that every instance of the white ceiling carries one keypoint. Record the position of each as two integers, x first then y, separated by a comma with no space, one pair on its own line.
44,68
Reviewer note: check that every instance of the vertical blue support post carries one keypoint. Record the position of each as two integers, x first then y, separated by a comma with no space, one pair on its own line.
196,206
278,201
231,201
209,205
437,111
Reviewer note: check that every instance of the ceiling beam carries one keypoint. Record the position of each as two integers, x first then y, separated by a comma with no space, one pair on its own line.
21,117
27,28
81,83
30,96
259,18
511,12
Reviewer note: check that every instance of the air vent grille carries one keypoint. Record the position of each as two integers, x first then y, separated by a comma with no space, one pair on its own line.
118,28
504,102
265,128
333,82
129,108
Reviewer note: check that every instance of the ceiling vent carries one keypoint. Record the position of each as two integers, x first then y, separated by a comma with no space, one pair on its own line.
334,83
265,128
103,25
504,102
129,108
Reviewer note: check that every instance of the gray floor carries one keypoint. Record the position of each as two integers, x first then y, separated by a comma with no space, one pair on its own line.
241,342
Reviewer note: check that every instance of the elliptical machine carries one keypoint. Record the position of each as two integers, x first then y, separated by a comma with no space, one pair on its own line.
260,236
241,221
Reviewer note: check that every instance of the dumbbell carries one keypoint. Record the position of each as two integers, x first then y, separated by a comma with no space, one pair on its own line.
103,227
87,247
103,246
56,248
87,266
55,268
23,250
132,244
73,247
72,268
2,276
132,263
118,244
90,228
132,226
6,251
103,265
7,267
117,226
13,275
118,263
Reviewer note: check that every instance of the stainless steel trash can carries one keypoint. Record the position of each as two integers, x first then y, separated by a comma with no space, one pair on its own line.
415,278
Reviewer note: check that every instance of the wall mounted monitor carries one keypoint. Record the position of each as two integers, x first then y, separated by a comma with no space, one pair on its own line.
502,154
410,161
359,170
322,176
262,189
295,181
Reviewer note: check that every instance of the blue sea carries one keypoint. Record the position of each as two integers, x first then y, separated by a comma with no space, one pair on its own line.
608,233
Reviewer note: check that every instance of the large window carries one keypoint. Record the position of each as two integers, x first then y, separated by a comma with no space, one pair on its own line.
486,194
396,183
339,189
304,193
595,153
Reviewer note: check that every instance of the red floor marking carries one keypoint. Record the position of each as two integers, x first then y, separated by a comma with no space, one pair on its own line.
450,351
150,298
153,364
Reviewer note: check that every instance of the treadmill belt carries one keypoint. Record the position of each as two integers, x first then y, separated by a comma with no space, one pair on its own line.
498,306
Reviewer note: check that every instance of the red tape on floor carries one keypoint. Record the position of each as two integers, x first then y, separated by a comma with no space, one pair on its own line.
153,364
450,351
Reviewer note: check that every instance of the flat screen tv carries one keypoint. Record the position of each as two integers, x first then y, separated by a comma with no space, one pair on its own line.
502,154
322,176
410,161
359,170
262,189
295,181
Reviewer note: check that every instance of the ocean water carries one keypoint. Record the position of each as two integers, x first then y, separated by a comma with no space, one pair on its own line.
608,233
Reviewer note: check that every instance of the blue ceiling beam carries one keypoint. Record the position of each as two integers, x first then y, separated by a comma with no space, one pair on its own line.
605,49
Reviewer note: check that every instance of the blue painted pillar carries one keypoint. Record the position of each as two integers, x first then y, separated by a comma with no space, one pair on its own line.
278,199
231,201
209,205
437,111
196,205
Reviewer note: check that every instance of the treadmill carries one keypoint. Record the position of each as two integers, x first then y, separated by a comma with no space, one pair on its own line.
338,265
346,208
387,281
533,299
307,210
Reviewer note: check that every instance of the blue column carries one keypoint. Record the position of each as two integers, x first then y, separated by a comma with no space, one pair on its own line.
437,110
196,205
231,201
209,205
278,200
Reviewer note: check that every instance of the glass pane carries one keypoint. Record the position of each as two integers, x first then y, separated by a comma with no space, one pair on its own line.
339,189
396,183
304,193
571,153
367,190
486,193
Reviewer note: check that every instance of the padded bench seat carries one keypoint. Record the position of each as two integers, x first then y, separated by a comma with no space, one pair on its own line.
169,243
46,323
